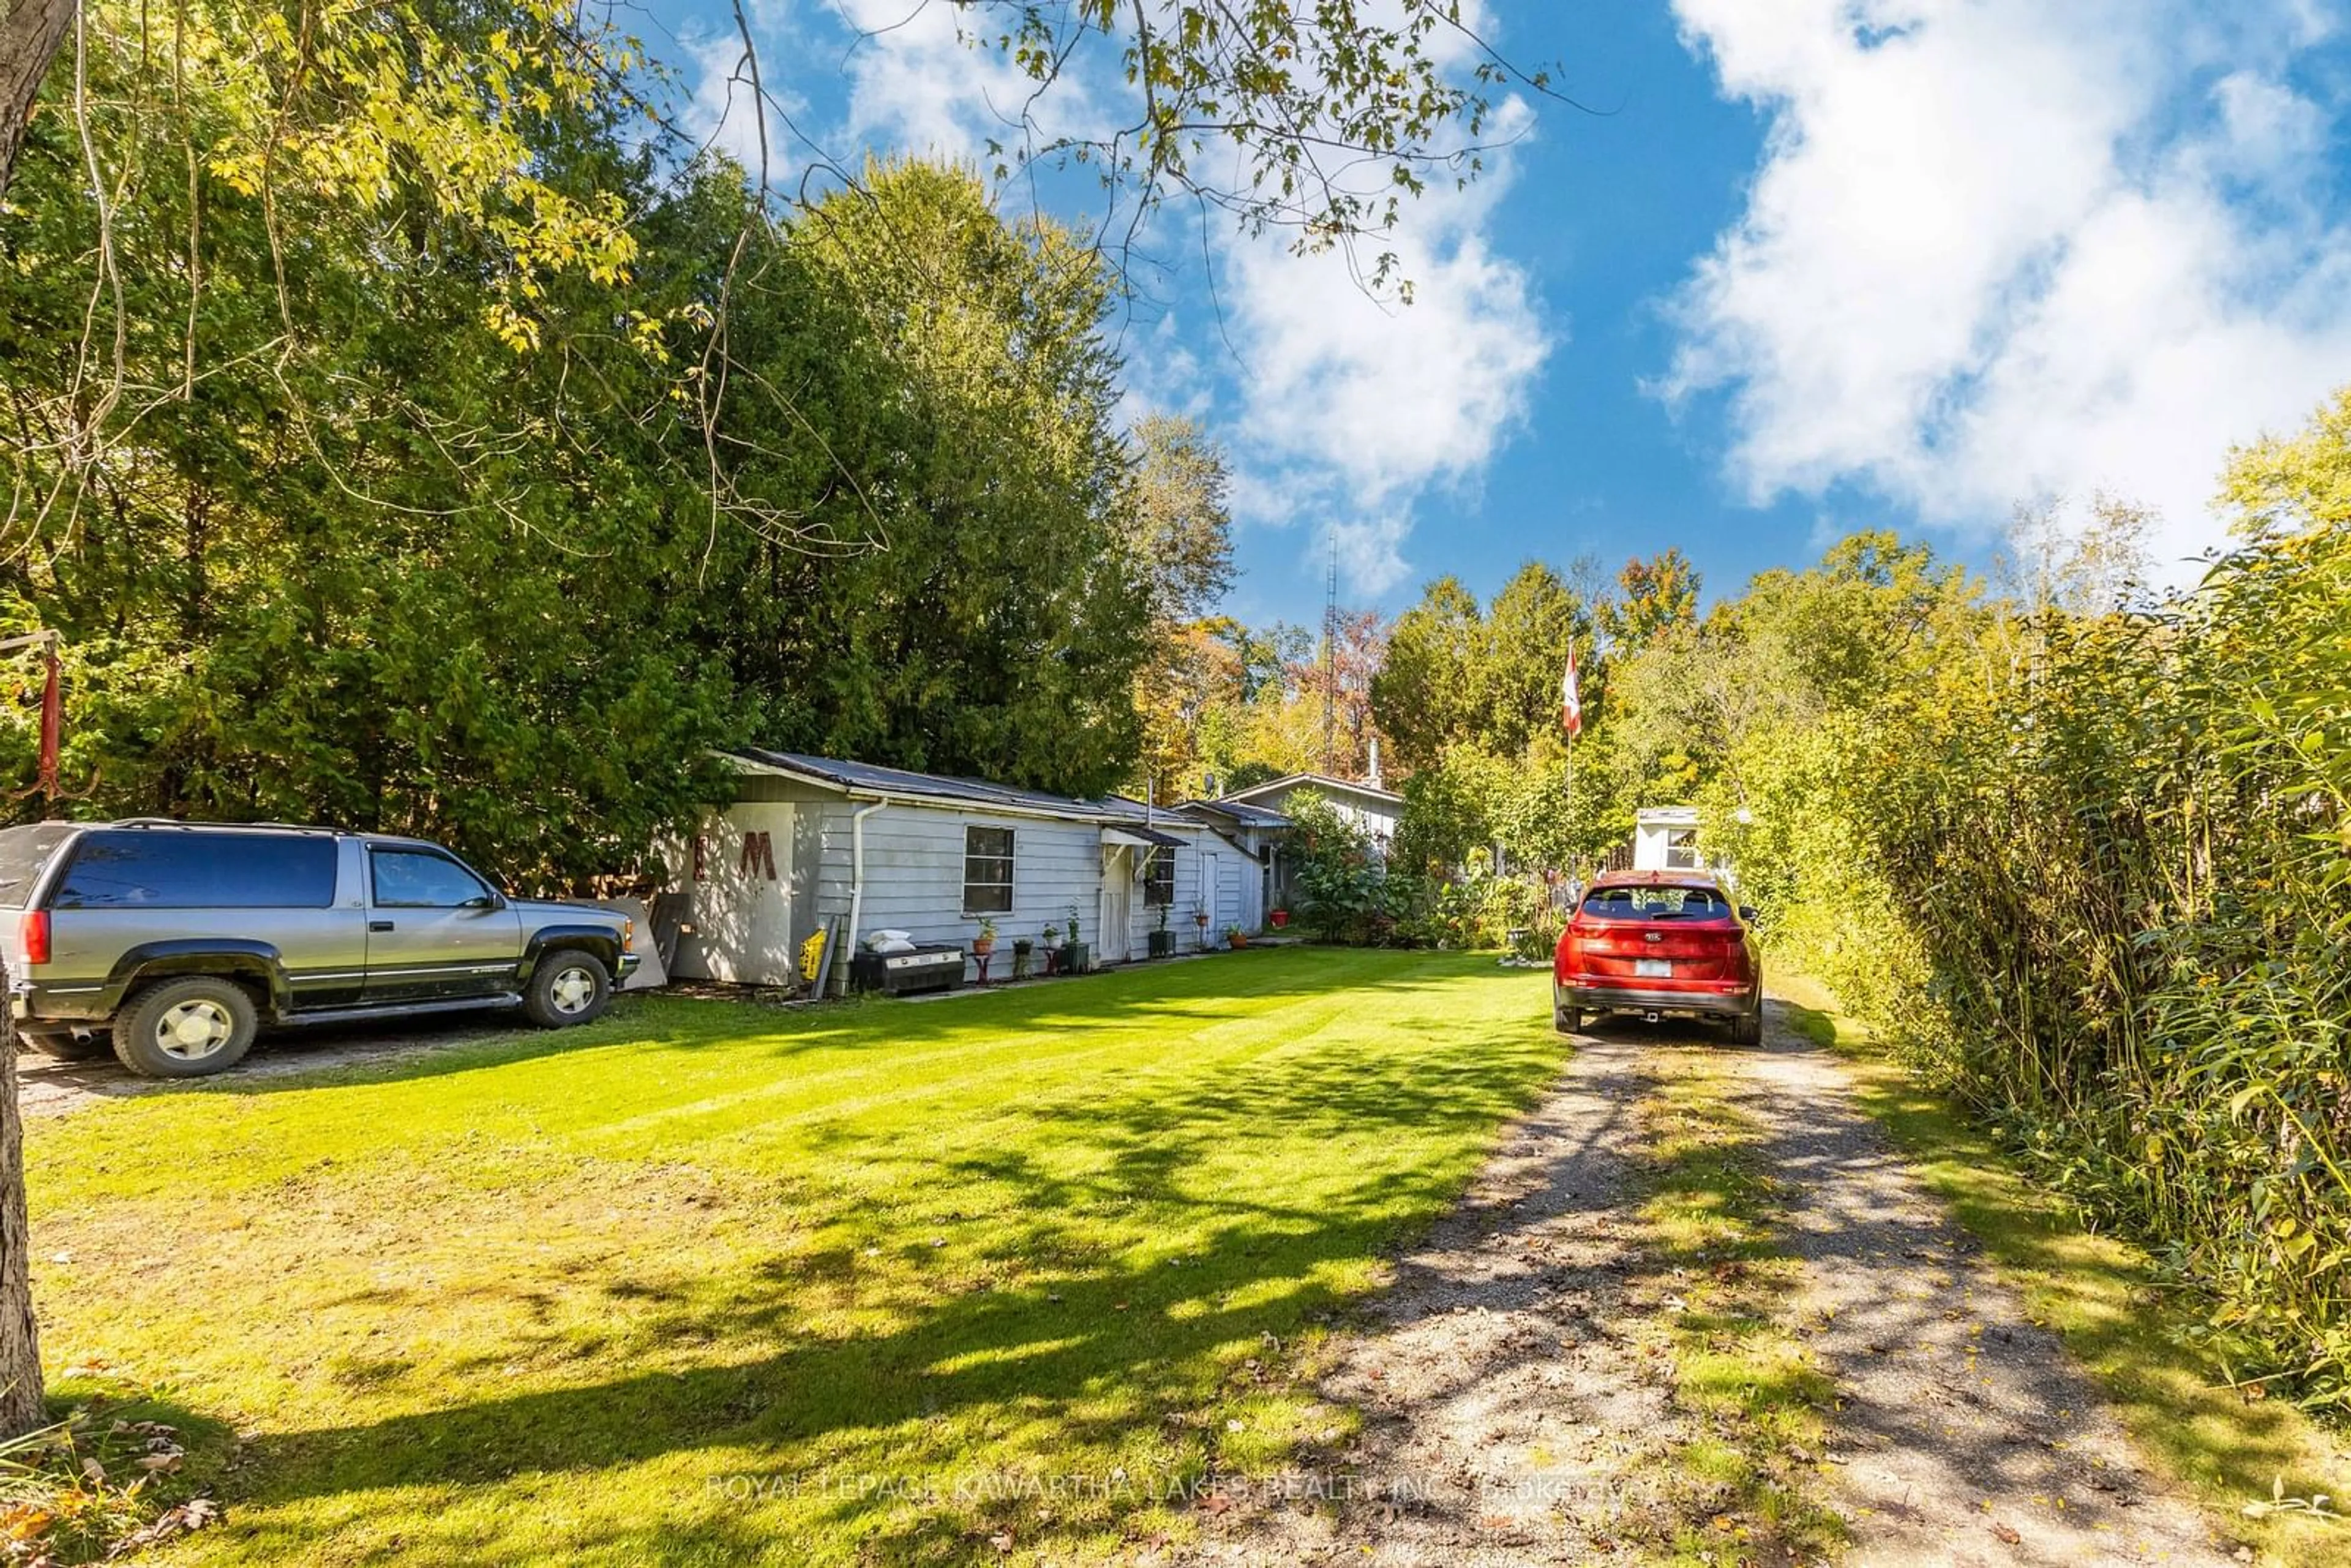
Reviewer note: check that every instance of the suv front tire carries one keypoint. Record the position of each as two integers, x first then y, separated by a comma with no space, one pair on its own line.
567,987
185,1027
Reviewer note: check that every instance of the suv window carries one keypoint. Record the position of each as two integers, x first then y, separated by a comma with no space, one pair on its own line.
1641,903
418,879
166,868
23,852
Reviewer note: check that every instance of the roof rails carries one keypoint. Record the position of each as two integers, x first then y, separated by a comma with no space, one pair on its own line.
176,822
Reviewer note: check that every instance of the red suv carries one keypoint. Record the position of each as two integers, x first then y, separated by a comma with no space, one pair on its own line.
1663,944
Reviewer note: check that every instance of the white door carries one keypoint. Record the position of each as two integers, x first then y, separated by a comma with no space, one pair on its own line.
742,901
1117,904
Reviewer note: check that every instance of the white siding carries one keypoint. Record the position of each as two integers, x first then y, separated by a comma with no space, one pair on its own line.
913,875
1375,816
1144,918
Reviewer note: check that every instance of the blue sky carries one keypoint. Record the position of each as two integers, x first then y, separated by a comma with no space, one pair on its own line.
1826,265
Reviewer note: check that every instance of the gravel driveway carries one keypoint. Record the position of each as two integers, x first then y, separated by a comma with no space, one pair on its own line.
47,1087
1518,1399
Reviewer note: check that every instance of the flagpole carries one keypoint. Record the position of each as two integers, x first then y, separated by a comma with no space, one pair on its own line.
1571,719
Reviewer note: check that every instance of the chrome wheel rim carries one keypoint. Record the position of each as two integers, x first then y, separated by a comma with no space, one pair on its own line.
192,1031
572,990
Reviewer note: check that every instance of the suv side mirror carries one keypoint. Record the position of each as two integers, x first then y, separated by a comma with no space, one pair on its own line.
1747,913
484,901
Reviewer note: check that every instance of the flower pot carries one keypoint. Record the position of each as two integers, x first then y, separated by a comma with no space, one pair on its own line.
1280,918
1075,956
1237,940
981,946
1163,944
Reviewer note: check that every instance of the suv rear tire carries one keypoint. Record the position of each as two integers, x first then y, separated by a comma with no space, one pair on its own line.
185,1027
568,985
1565,1019
1746,1028
64,1045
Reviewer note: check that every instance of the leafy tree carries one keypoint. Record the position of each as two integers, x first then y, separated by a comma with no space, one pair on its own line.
1286,726
2081,862
1655,596
1425,691
999,628
1247,775
1450,809
1459,674
1180,521
1271,112
1522,654
1338,877
1188,696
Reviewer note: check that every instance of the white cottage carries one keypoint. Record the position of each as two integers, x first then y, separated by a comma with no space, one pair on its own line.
815,842
1369,807
1258,879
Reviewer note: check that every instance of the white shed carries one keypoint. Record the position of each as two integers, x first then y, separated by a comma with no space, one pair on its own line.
1665,838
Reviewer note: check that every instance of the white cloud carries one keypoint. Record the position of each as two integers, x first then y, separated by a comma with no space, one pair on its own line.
723,111
1343,412
1998,249
1354,410
1371,552
919,82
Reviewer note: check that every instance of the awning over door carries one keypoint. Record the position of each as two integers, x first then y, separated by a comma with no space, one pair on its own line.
1139,839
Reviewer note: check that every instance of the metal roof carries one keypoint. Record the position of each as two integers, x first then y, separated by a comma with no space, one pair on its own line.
1137,834
867,778
1310,781
1240,812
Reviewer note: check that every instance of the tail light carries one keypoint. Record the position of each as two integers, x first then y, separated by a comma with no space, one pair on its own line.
33,931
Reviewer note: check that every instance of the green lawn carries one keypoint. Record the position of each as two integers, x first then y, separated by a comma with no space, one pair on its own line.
718,1283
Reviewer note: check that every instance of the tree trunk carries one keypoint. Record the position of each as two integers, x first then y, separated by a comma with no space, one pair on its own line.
22,1404
30,33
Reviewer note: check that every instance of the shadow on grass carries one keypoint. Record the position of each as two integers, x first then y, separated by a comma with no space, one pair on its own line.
1102,1335
1140,995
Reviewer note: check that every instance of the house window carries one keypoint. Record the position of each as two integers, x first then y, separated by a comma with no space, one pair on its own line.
1159,877
1681,849
988,871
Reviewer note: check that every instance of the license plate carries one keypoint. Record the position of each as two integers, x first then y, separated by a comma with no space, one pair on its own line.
1653,968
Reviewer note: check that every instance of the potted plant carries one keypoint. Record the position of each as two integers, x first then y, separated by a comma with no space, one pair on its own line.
1022,948
985,943
1200,920
1235,938
1073,955
1280,918
1163,941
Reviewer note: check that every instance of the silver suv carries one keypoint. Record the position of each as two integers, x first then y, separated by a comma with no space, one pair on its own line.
174,941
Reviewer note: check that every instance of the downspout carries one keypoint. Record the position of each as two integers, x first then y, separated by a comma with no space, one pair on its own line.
857,875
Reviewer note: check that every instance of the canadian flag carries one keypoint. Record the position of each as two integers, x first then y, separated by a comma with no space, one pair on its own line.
1570,702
